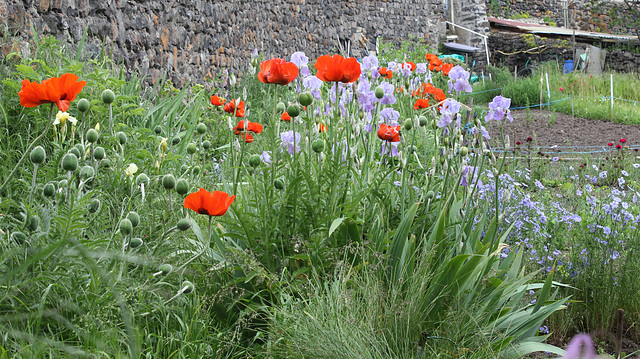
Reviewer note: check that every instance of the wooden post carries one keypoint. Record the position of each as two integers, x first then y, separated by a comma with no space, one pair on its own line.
515,73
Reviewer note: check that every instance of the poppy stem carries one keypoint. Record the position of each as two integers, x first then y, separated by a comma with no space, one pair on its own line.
111,119
28,150
33,181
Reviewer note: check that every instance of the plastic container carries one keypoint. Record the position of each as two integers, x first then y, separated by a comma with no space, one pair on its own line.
568,66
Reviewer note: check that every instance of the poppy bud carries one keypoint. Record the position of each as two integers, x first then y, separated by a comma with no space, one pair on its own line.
446,141
195,170
98,153
280,107
92,135
187,287
70,162
134,218
464,151
305,98
408,124
49,190
182,186
168,181
106,163
84,105
75,151
183,224
184,168
86,172
122,137
33,223
135,242
38,155
278,184
108,96
126,227
19,237
175,141
157,129
62,184
142,178
254,160
191,148
379,92
94,206
430,195
201,128
317,146
165,268
423,121
293,110
206,144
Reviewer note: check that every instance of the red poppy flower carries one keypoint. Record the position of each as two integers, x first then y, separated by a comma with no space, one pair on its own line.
389,133
59,90
421,103
277,71
322,127
247,137
411,63
435,64
446,68
623,140
518,143
610,144
386,73
337,68
619,147
213,203
231,108
285,116
251,126
431,57
428,89
217,101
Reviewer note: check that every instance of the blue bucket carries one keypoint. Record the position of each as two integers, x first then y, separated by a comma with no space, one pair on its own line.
568,66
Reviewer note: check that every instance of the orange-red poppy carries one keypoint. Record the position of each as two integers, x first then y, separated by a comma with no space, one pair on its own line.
247,137
214,203
322,127
277,71
421,103
59,90
411,63
386,73
446,68
337,68
285,116
389,133
217,101
435,64
251,126
231,108
428,89
431,57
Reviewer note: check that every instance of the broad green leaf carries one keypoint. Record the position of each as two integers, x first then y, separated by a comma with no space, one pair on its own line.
335,224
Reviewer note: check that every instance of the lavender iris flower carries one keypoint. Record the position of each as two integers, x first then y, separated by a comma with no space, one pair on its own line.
290,141
497,109
369,63
300,59
459,80
390,116
449,109
388,98
313,84
421,68
266,156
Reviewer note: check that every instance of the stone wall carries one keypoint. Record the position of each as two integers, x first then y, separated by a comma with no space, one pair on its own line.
192,39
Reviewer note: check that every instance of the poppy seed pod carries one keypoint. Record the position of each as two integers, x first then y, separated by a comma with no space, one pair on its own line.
175,141
70,162
108,96
126,227
75,151
254,160
408,124
33,223
86,172
134,218
184,168
191,148
201,128
165,268
280,107
142,178
122,137
317,146
94,206
157,129
187,287
38,155
49,190
92,135
98,153
183,224
305,98
293,110
182,186
168,181
84,105
430,195
135,242
423,121
464,151
195,170
106,163
206,144
379,92
19,237
278,184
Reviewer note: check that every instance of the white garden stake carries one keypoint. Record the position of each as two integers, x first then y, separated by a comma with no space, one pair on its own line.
546,75
611,96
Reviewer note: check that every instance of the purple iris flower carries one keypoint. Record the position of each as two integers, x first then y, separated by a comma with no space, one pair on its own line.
300,59
390,147
390,116
369,63
313,84
449,109
421,68
290,141
459,80
497,109
388,98
366,97
266,156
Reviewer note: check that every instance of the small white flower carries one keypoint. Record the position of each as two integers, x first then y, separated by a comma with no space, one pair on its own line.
131,170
